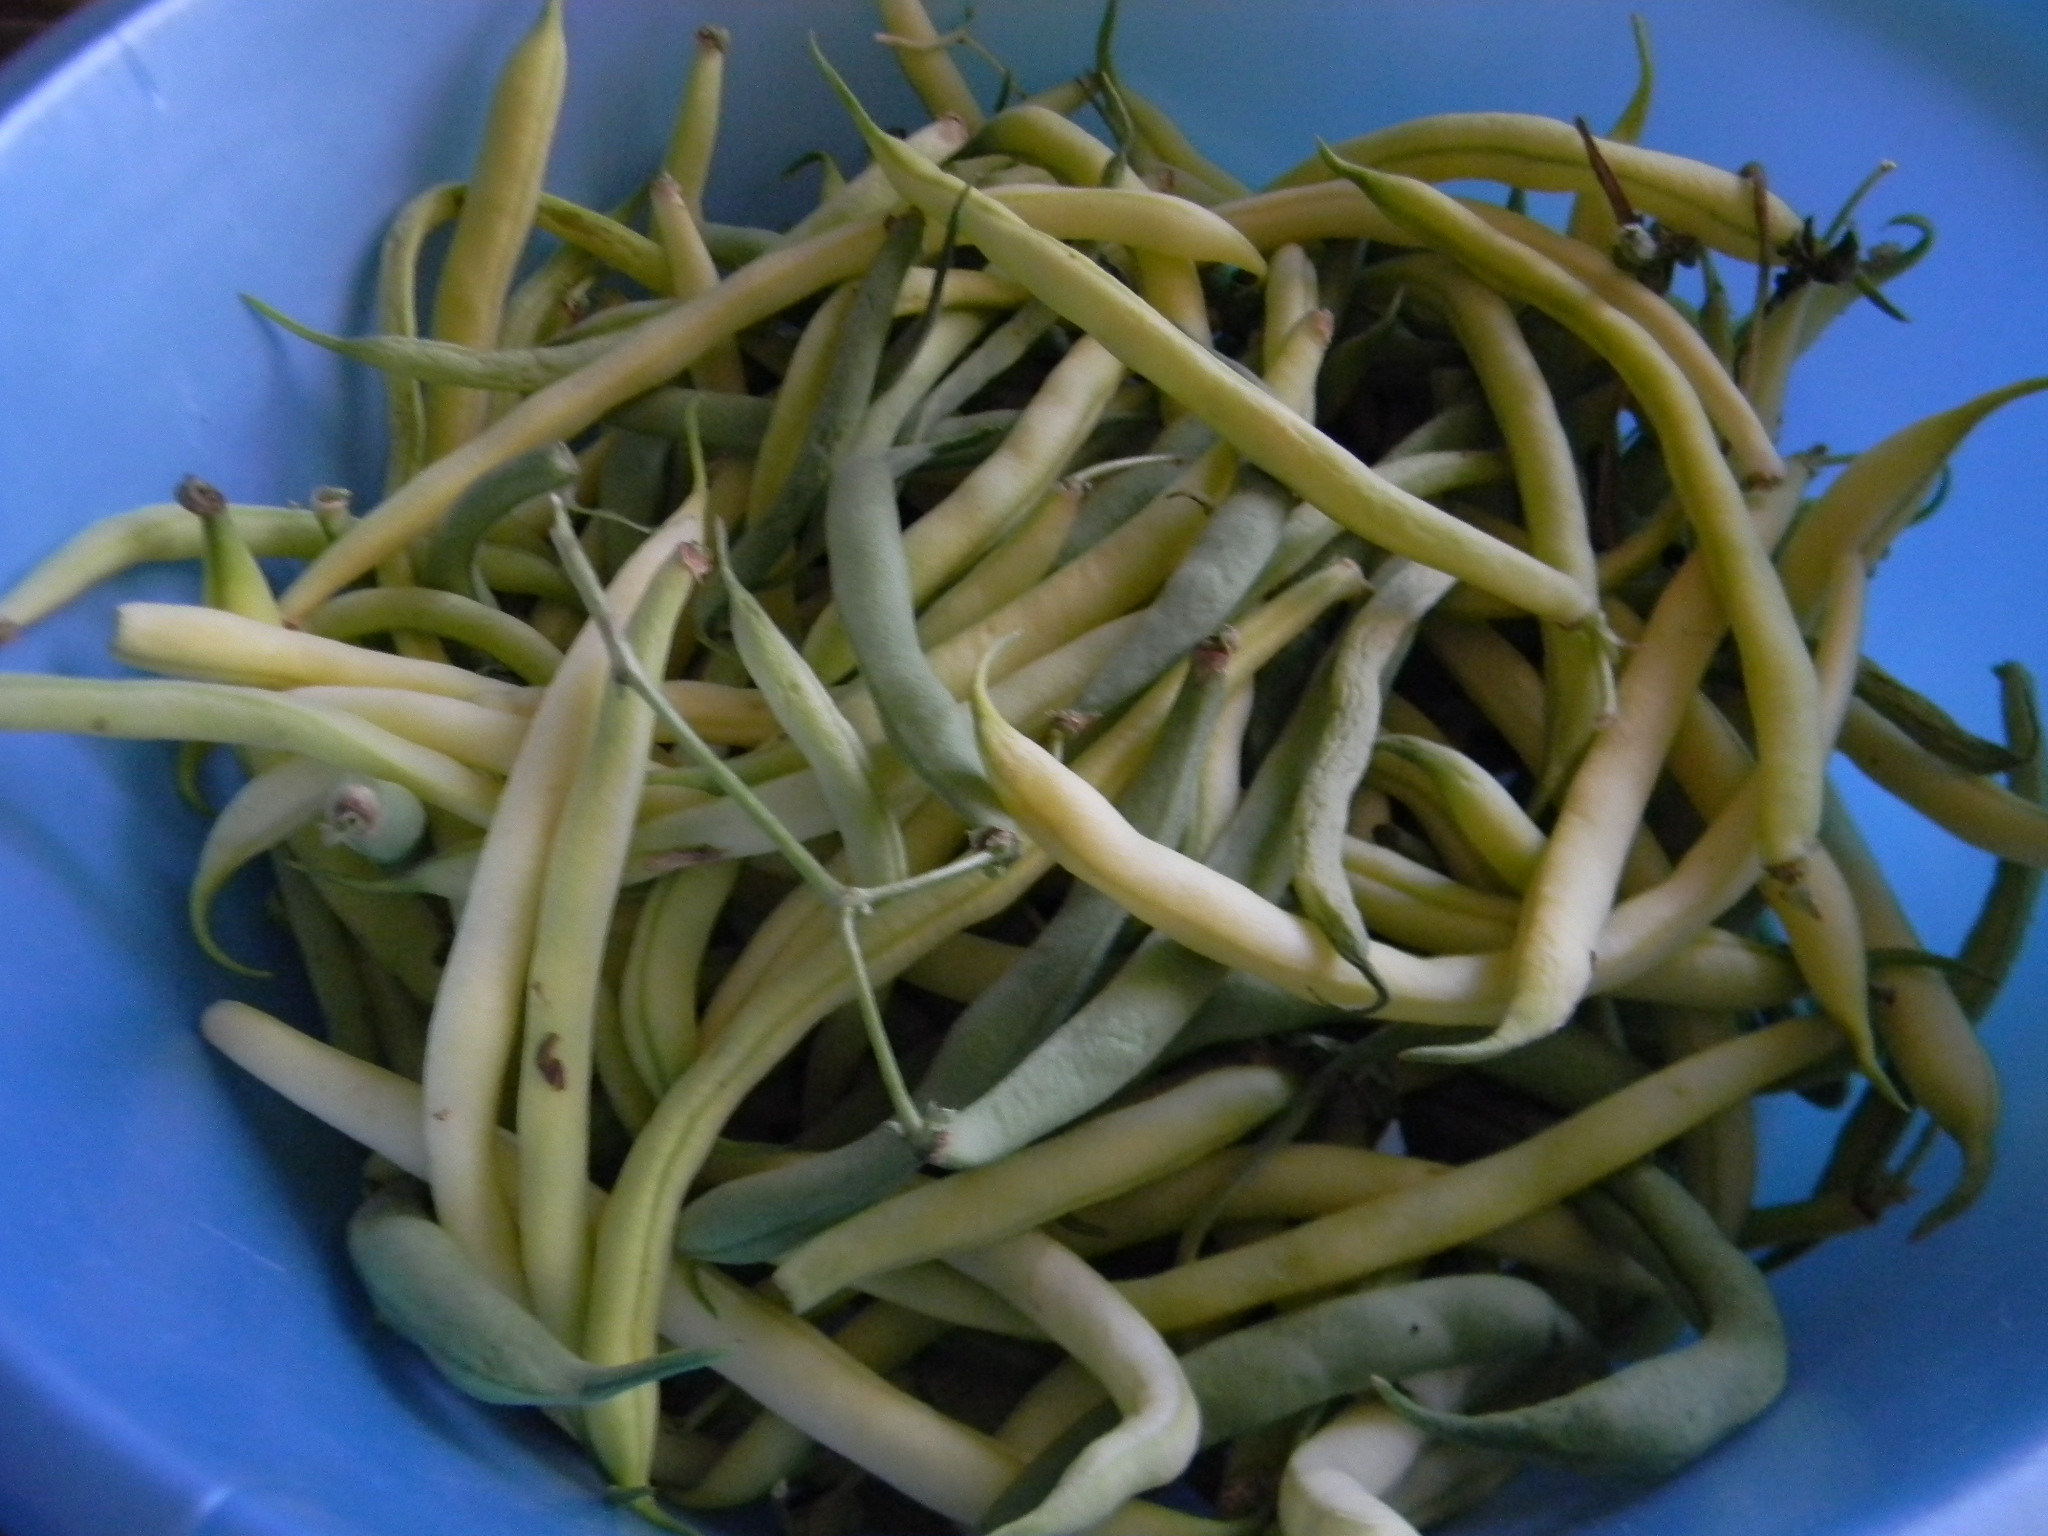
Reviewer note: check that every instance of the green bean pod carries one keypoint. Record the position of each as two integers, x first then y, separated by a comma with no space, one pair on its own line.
925,723
847,389
478,1337
1269,1371
448,558
512,642
1651,1418
1212,580
806,710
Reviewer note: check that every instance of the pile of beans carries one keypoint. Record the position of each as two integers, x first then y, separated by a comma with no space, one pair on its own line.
1073,828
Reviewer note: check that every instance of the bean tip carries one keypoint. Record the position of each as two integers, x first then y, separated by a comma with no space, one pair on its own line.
200,497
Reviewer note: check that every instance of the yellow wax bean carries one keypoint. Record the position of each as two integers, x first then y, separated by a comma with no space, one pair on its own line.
145,536
1775,667
151,710
473,1030
1263,429
1093,1161
1979,810
1133,216
1329,210
207,645
470,733
779,1360
1543,154
926,62
650,355
497,212
1483,1195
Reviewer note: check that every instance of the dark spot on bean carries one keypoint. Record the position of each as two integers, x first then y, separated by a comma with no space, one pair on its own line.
549,1063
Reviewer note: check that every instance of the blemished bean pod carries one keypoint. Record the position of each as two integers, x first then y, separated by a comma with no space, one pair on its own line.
1261,428
479,1338
587,853
472,1036
1090,1162
1654,1416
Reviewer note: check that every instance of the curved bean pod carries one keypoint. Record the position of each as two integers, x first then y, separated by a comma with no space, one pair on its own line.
1653,1417
1082,1313
146,535
1542,154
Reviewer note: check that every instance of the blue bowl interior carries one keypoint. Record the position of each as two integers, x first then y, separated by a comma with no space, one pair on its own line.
181,1349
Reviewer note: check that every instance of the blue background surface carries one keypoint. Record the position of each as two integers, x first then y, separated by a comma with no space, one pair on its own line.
181,1351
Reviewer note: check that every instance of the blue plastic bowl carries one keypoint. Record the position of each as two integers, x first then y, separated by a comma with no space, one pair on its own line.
181,1348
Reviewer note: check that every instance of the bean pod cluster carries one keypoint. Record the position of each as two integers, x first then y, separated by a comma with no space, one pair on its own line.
1073,828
